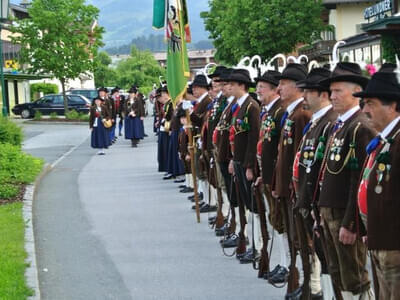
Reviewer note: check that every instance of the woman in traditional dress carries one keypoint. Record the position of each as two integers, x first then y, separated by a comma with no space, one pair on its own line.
99,113
134,115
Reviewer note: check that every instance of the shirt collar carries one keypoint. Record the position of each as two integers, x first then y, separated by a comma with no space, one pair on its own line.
202,97
219,94
319,114
388,129
293,105
242,99
230,99
347,115
269,105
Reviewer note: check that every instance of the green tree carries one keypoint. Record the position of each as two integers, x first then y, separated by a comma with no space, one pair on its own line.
140,68
264,27
60,38
103,74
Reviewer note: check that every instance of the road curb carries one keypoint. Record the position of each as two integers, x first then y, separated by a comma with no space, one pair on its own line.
55,123
31,273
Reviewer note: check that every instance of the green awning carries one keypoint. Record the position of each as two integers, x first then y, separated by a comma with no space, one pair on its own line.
386,25
22,76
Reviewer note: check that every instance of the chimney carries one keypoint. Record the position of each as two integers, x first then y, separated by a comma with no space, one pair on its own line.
25,4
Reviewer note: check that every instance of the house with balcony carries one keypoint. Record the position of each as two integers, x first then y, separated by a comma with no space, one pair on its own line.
359,24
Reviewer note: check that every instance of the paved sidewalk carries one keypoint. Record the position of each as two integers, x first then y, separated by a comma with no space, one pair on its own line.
109,227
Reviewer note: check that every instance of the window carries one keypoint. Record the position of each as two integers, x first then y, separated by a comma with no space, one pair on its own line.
76,100
58,99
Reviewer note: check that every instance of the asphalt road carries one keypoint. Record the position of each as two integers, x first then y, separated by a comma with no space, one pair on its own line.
109,227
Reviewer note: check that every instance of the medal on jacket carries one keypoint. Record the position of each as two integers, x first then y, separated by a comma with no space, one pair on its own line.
383,166
336,148
287,132
309,154
269,128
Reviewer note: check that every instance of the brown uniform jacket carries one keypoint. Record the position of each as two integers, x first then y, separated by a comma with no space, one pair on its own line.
245,142
307,181
175,121
287,150
223,147
383,209
199,114
109,102
105,114
136,107
339,187
270,132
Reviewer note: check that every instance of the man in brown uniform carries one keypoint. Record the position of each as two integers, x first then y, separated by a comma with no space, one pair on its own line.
244,133
340,173
267,151
305,176
293,122
200,88
378,195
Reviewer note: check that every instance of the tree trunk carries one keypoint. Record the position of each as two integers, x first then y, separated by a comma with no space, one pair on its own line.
64,96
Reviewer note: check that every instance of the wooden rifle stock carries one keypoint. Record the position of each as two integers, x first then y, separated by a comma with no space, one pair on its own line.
264,259
293,279
241,248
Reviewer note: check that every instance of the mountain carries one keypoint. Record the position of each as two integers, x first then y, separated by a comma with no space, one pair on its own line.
125,20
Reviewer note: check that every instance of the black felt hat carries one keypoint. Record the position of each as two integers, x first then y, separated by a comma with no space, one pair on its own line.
160,90
217,72
114,90
200,81
225,75
270,76
103,89
388,67
295,72
133,89
383,85
181,112
241,76
313,80
347,72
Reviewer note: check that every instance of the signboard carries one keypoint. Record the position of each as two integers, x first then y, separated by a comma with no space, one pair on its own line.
378,10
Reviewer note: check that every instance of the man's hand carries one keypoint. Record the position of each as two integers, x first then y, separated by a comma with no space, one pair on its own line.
187,158
142,118
274,194
249,174
258,181
346,236
230,168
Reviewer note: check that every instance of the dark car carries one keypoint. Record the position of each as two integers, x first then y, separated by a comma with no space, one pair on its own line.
50,104
90,94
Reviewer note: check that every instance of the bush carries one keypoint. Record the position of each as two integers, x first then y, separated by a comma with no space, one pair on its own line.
84,117
38,115
72,115
8,191
45,88
17,167
53,116
10,133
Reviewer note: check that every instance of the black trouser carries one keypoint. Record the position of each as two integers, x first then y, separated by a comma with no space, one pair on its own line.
244,187
224,166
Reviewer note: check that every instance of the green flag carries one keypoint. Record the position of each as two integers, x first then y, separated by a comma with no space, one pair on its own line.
159,14
178,34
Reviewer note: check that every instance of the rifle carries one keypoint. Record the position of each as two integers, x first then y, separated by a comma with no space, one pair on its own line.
264,260
191,151
219,221
241,248
293,278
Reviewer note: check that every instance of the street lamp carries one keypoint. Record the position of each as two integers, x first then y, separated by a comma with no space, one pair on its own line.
4,6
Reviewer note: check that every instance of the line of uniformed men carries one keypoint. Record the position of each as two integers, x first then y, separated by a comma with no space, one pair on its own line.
305,163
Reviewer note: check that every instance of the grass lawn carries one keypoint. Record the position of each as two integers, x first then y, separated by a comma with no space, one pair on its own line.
12,253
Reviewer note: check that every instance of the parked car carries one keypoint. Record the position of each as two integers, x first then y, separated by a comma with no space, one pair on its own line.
52,103
88,93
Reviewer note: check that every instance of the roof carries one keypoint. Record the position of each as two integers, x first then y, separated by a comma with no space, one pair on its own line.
360,40
22,76
383,25
331,4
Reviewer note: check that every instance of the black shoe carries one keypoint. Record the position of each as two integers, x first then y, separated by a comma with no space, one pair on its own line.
271,273
186,190
231,242
192,197
169,176
212,220
318,296
208,208
201,204
280,276
179,180
120,134
134,145
250,256
296,295
182,186
145,135
222,230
